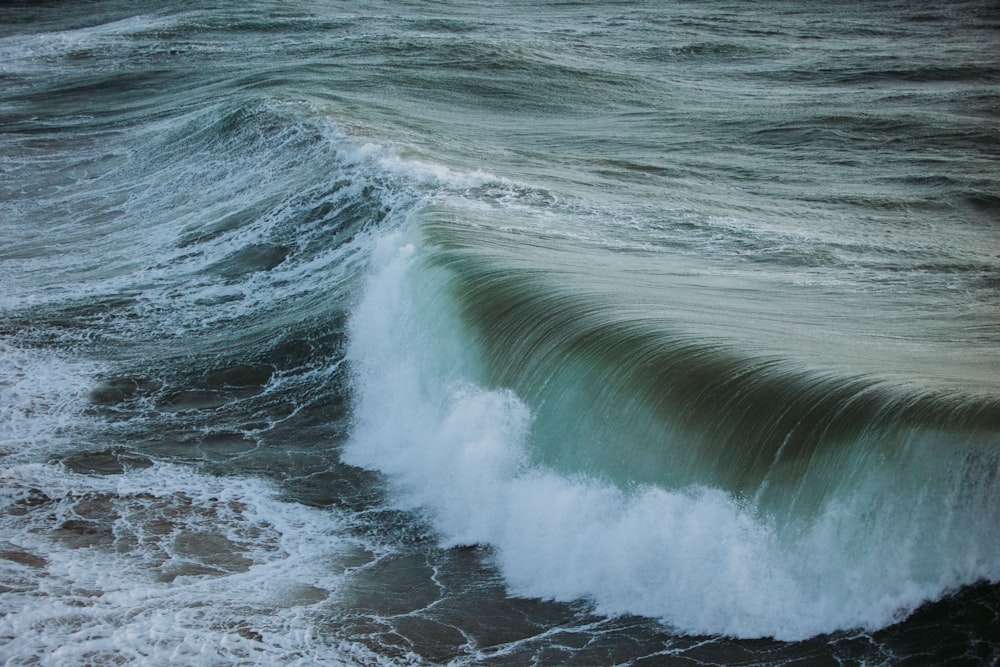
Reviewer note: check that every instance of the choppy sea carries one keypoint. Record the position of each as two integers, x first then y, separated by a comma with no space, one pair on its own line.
499,333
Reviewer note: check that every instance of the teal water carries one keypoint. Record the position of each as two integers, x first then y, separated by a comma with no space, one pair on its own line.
479,333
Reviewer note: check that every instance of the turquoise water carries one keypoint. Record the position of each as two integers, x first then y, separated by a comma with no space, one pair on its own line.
482,333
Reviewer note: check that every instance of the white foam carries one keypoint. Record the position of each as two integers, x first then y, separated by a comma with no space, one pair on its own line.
696,558
411,169
187,569
42,399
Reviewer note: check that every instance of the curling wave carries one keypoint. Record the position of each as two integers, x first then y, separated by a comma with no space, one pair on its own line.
617,456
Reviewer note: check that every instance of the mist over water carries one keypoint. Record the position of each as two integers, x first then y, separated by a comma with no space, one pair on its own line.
554,333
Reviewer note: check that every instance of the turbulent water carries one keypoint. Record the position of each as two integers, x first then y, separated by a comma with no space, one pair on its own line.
457,332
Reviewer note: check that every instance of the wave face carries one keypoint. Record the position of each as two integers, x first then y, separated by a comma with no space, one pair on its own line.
490,333
608,453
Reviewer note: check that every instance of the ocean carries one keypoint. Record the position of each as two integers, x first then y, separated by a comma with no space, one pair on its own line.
348,332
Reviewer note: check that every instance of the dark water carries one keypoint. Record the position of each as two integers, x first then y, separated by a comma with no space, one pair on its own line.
547,333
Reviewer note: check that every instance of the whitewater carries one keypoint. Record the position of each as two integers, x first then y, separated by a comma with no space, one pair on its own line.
463,333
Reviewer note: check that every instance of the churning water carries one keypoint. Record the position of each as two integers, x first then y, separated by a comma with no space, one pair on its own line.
499,333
